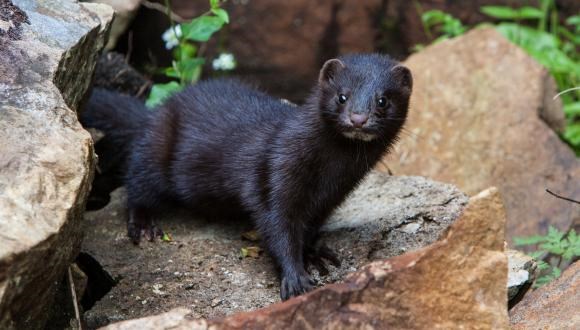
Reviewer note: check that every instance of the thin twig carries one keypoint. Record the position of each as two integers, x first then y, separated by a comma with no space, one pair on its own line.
562,197
143,88
566,91
74,298
163,9
129,47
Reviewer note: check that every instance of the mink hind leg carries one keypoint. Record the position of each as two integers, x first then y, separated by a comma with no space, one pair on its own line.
144,200
141,224
284,240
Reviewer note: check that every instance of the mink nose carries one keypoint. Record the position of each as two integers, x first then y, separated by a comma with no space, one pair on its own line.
358,120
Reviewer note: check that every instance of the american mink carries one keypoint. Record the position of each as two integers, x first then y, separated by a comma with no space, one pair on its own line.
220,144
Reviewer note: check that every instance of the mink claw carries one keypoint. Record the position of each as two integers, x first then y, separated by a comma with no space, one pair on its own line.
152,232
149,232
319,257
295,285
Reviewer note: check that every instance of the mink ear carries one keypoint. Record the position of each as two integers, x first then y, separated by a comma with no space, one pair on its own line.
403,76
329,70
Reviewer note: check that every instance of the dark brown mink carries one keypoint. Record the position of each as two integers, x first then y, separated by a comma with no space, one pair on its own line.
221,145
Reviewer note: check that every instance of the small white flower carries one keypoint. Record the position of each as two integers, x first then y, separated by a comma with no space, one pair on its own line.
225,61
171,37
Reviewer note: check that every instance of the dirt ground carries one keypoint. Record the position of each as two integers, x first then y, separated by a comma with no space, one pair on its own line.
202,267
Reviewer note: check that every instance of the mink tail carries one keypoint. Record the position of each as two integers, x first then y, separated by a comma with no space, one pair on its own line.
121,118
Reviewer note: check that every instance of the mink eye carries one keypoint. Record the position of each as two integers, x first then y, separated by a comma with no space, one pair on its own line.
382,102
342,98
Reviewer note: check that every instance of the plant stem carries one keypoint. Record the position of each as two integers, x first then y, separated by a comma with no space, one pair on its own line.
554,21
420,12
545,7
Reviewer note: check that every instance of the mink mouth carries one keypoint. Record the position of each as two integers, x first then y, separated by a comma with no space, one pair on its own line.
359,134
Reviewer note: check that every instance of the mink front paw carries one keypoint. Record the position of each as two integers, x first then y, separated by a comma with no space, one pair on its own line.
148,231
295,285
318,257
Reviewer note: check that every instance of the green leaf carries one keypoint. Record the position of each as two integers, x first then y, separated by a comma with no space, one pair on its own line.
172,73
572,134
202,28
500,12
572,109
543,265
554,235
221,14
508,13
543,280
542,46
190,69
554,248
214,3
432,17
160,92
573,249
573,38
184,51
556,272
574,21
530,13
448,25
537,254
530,240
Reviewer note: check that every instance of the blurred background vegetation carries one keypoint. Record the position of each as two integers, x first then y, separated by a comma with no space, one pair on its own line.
281,45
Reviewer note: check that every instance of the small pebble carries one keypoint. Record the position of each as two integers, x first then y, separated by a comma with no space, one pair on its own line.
216,302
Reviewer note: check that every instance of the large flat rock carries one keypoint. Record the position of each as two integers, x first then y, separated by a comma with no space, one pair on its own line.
479,114
47,58
552,307
202,270
456,283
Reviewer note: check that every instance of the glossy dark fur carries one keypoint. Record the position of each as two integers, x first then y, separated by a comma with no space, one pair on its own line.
222,145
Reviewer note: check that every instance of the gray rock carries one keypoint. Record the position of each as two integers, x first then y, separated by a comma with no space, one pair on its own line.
125,11
522,272
389,215
202,270
46,158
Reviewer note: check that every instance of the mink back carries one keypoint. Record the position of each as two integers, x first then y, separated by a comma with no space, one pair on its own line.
203,148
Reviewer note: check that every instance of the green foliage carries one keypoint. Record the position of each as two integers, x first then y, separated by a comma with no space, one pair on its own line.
160,92
539,33
202,28
185,39
444,24
562,245
508,13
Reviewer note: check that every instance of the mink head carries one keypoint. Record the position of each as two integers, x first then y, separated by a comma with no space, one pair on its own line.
365,97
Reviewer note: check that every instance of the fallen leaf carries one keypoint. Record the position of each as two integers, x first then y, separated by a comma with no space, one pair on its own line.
251,235
251,251
166,237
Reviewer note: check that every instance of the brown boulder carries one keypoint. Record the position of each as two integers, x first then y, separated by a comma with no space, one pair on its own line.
554,306
475,122
457,282
46,158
